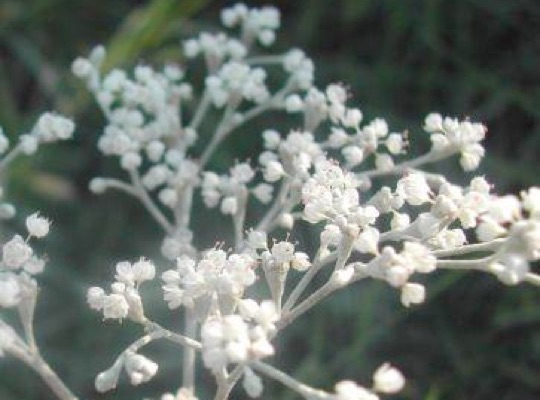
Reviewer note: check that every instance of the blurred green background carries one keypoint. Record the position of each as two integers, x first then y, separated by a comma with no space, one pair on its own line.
474,339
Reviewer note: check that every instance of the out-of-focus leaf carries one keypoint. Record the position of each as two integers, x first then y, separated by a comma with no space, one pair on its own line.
148,27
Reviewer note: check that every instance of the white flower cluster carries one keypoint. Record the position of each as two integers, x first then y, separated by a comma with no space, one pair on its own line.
231,191
124,301
19,263
216,280
450,135
138,368
50,127
323,172
386,380
231,339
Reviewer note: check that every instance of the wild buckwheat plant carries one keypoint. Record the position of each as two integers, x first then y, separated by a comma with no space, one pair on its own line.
326,172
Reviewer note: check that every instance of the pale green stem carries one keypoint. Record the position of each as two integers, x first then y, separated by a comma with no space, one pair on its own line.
397,169
264,60
306,279
304,390
240,217
276,207
9,157
201,111
494,245
33,359
145,199
223,129
122,186
224,388
328,288
188,373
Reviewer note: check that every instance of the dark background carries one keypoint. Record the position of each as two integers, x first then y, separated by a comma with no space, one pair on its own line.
474,338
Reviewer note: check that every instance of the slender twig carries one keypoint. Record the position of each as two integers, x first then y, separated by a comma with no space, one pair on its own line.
302,389
276,207
188,373
143,196
306,279
397,169
9,157
493,245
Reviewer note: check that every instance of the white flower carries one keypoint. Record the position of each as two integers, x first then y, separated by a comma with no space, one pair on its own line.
115,306
143,270
400,221
95,298
367,241
383,162
273,171
412,293
257,239
433,123
353,155
283,252
263,192
419,257
229,205
131,161
28,143
349,390
9,292
293,103
37,226
50,127
414,189
300,261
16,252
394,143
98,185
252,383
388,379
531,201
511,268
139,368
286,221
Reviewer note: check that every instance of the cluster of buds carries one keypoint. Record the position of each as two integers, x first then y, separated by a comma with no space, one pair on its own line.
323,172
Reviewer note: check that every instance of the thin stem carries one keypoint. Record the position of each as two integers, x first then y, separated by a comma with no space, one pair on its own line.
494,245
34,360
264,60
222,130
479,264
224,389
9,157
306,279
328,288
183,210
188,373
173,336
276,207
201,111
304,390
51,379
122,186
240,217
532,278
143,196
427,158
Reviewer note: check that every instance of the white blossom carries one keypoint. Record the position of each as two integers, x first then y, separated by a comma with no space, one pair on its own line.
16,252
388,379
37,226
412,293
